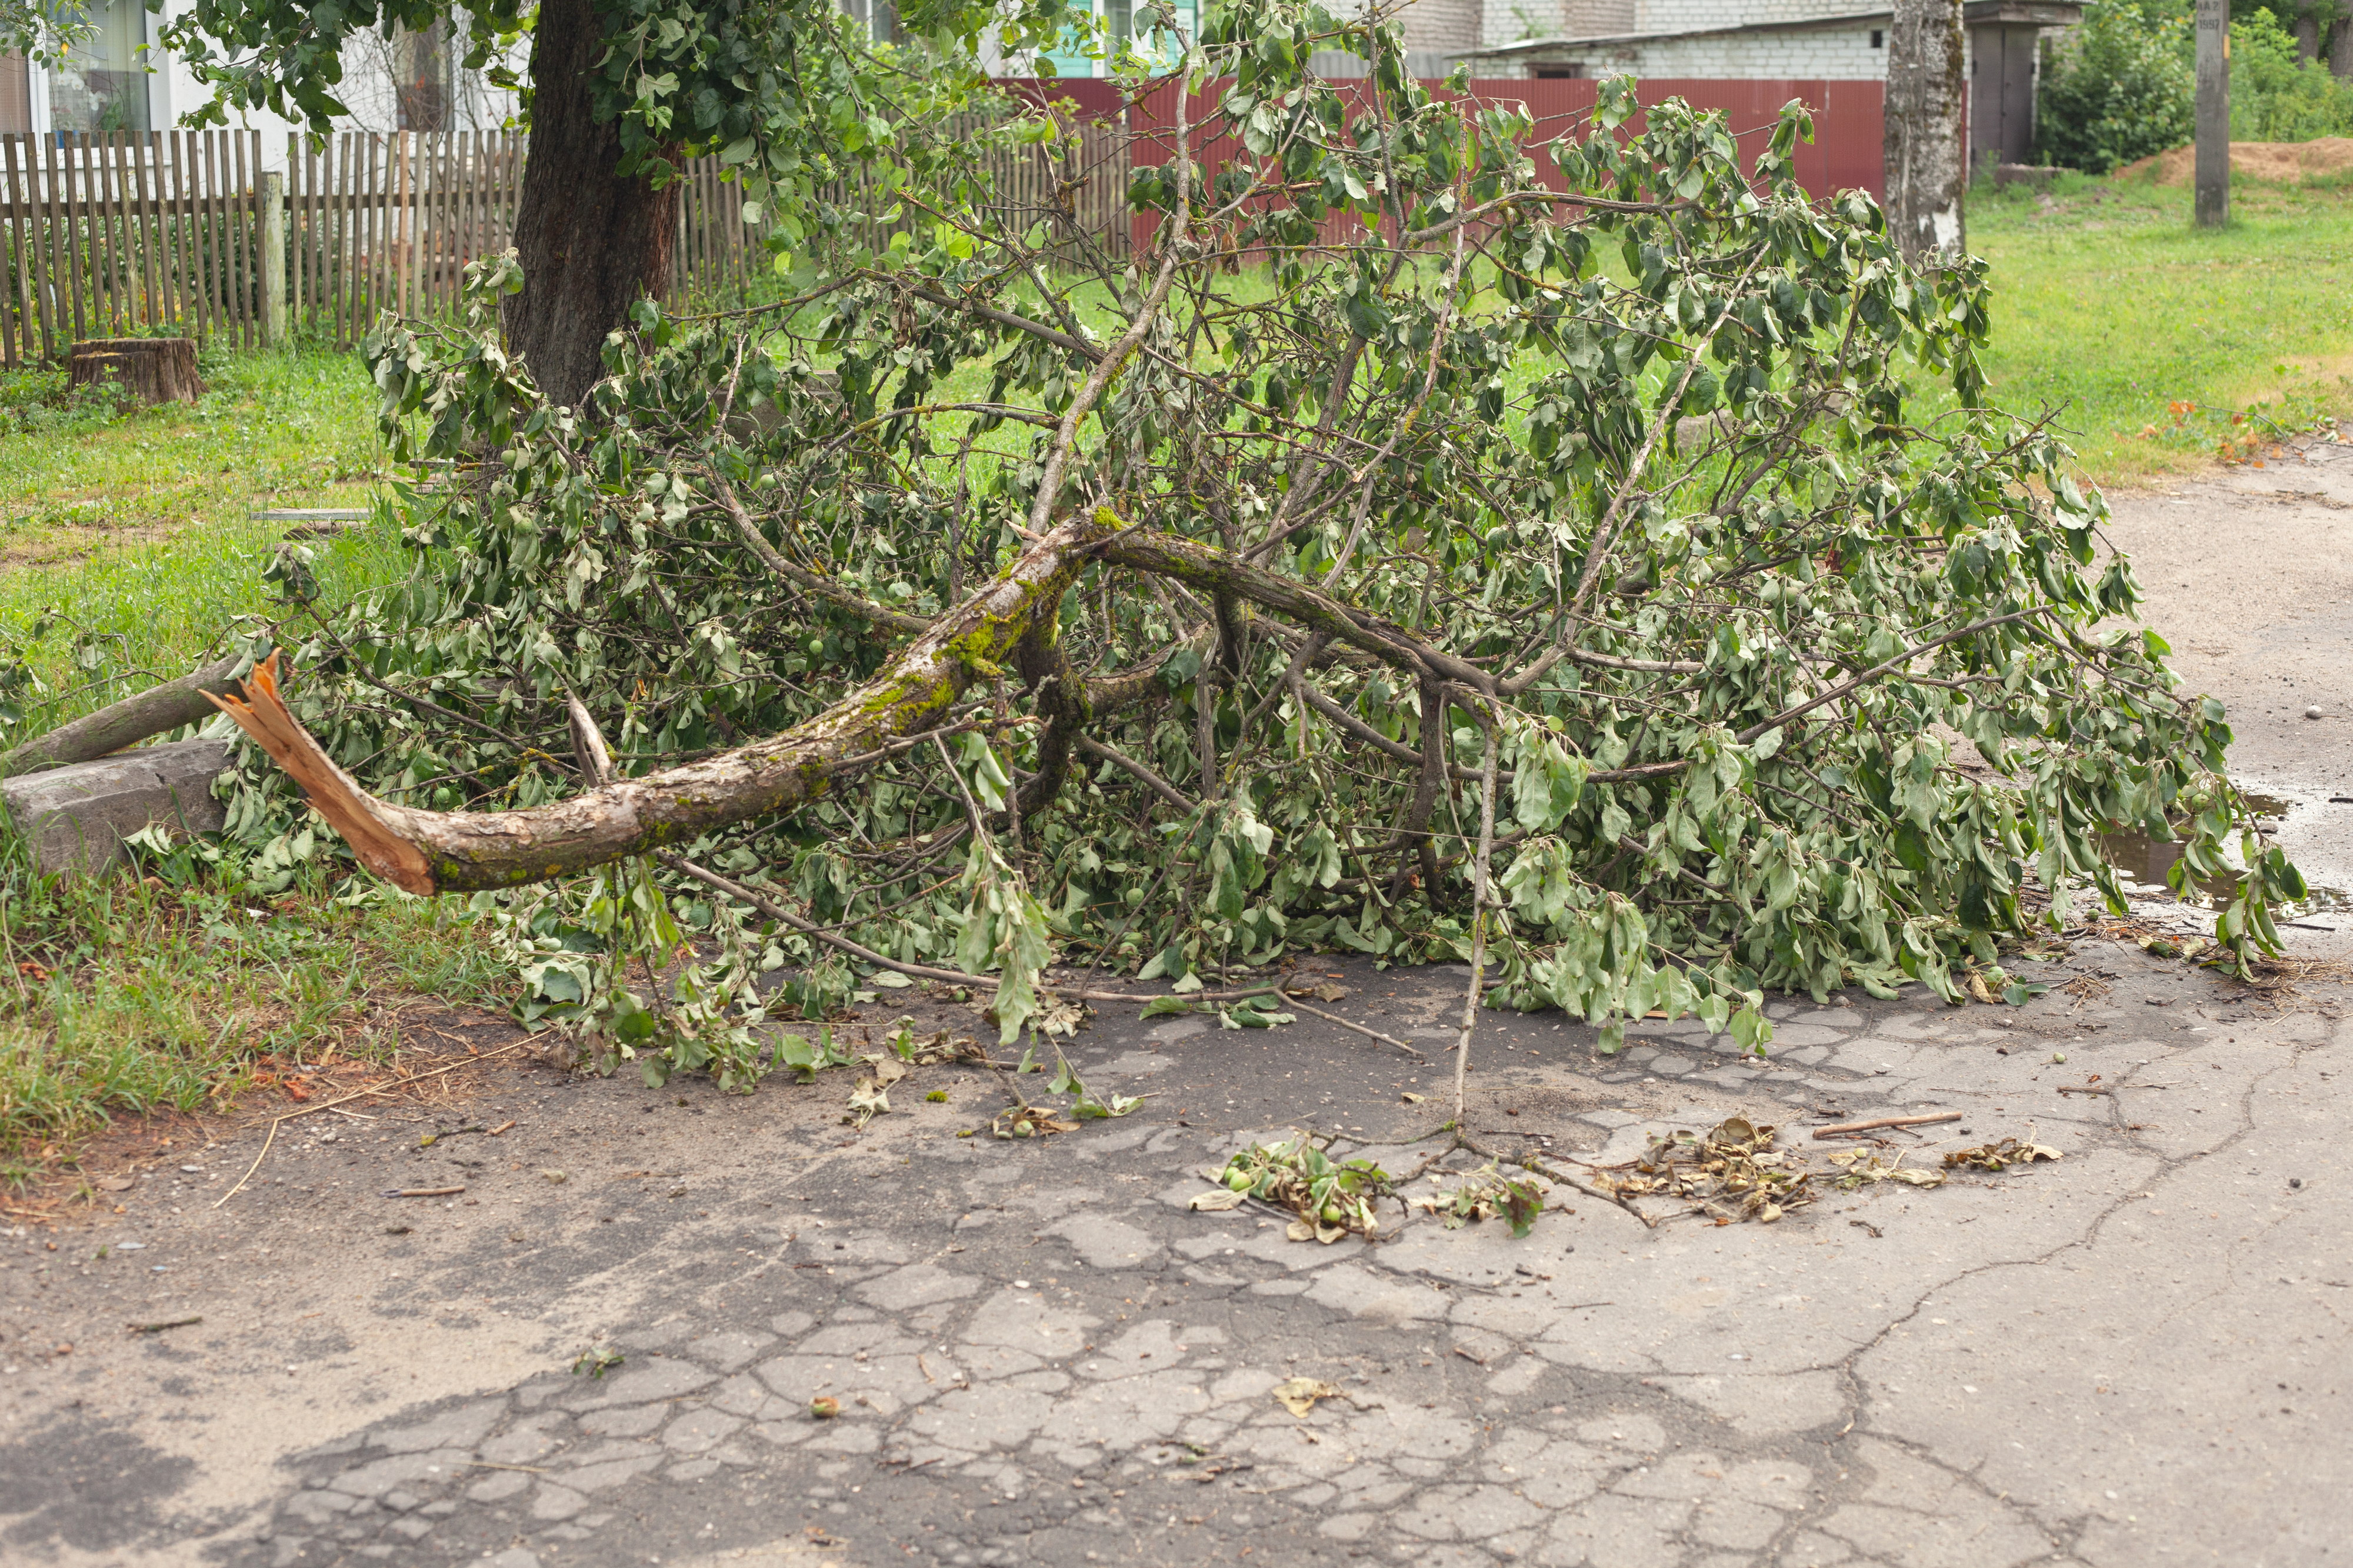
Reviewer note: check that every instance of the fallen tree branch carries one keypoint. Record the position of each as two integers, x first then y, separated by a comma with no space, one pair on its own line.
460,851
155,711
1213,571
816,583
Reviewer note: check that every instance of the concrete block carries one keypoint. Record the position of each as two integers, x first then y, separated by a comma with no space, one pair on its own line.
75,819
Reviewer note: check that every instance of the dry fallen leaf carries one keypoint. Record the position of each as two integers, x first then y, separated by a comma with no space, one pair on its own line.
1216,1202
1999,1156
1298,1395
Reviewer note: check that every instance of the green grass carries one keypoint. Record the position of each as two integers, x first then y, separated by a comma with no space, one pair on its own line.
136,527
181,991
2112,308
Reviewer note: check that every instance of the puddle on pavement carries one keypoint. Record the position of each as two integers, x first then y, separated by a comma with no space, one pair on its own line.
2143,863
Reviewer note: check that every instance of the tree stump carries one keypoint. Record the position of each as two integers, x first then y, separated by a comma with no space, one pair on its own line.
140,370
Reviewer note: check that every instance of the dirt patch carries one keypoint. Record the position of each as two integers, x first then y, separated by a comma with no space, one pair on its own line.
451,1057
2287,163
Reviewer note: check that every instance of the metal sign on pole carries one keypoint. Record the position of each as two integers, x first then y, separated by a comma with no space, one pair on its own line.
2213,114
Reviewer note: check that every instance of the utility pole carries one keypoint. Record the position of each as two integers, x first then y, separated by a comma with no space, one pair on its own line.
2213,114
1926,162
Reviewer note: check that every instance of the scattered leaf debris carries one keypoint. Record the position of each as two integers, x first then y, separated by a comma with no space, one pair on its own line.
1488,1193
1332,1198
1998,1156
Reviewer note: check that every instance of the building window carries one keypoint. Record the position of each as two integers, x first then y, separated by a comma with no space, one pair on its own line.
103,86
1560,73
1123,22
420,83
1878,39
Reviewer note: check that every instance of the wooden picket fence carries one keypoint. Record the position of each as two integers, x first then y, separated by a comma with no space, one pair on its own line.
114,234
110,236
130,232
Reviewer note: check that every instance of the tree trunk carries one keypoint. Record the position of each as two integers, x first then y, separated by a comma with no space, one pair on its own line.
1927,160
2340,51
592,243
143,370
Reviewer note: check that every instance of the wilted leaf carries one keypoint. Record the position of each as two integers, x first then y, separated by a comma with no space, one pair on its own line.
1161,1006
868,1100
1298,1395
1216,1202
1057,1016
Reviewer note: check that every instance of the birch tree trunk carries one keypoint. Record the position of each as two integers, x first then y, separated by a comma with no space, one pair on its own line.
1927,147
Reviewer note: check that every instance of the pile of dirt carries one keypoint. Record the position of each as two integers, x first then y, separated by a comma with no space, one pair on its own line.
2289,163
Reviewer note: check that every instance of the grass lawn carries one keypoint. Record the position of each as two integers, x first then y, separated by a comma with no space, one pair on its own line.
2111,308
131,995
136,528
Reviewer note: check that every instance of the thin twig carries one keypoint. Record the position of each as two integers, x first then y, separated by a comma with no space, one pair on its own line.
361,1094
1369,1034
865,954
1471,995
1886,1122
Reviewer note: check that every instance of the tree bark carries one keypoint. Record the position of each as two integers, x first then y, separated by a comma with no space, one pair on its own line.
1926,153
125,723
592,242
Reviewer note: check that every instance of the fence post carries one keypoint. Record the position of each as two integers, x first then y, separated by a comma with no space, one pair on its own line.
2213,121
273,260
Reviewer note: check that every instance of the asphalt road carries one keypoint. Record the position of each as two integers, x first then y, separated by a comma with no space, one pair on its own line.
1041,1354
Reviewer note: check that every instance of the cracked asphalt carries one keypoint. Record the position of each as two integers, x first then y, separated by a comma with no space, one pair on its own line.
1041,1354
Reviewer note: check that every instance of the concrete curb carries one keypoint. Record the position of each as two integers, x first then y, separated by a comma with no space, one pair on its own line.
75,819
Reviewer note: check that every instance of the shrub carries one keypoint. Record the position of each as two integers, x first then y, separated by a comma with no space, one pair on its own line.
2275,94
2120,87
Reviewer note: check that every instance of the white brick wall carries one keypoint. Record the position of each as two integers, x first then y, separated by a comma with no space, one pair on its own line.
1679,16
1841,54
1440,27
1845,55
